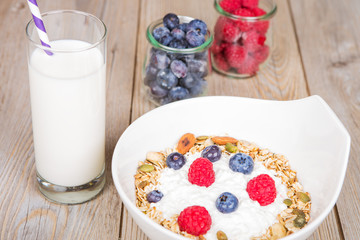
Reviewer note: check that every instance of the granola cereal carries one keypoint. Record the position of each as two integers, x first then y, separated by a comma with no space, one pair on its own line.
296,205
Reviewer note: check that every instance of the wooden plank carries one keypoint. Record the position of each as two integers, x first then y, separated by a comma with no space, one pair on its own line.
329,33
282,79
24,213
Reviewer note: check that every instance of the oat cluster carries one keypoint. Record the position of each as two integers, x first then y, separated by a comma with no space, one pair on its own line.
290,220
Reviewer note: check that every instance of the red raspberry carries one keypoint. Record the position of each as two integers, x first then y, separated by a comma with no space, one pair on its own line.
252,40
261,54
261,26
258,12
230,5
226,30
250,3
221,63
262,189
249,67
201,173
217,47
243,24
195,220
235,55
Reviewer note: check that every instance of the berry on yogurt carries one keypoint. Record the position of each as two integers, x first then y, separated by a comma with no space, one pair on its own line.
195,220
241,162
213,153
227,202
201,173
154,196
175,160
262,189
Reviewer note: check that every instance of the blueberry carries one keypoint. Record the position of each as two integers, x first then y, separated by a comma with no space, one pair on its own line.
212,152
171,21
157,91
197,25
202,55
179,44
160,32
154,196
189,81
197,67
172,56
179,68
165,100
175,160
194,38
227,203
166,79
183,27
159,60
151,72
178,93
199,88
241,162
187,57
178,33
166,40
148,80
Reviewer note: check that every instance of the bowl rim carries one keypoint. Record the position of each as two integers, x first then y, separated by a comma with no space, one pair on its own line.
314,98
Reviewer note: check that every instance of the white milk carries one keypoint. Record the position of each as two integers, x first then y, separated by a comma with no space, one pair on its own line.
68,113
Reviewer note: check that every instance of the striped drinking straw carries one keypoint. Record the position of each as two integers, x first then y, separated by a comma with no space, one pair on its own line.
35,12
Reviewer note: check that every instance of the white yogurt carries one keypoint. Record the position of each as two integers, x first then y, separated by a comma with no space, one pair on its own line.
249,220
68,113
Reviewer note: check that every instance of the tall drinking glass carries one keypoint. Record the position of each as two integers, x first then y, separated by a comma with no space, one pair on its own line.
67,90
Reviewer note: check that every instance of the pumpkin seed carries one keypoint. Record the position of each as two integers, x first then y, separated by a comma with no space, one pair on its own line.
288,202
202,138
303,197
147,168
231,148
299,221
298,212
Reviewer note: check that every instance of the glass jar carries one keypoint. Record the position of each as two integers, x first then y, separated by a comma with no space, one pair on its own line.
158,85
242,44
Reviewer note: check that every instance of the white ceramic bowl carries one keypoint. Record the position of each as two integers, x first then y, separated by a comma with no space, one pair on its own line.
306,131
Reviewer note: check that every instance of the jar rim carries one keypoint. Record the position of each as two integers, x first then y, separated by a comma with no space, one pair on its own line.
209,38
266,16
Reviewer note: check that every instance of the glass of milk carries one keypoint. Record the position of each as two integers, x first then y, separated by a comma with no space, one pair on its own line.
67,92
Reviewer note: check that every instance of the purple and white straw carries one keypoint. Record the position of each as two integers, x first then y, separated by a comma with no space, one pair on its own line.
35,12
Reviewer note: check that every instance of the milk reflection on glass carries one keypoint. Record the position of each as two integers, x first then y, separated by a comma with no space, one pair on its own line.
67,92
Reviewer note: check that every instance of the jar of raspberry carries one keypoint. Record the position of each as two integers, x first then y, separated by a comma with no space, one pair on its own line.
177,62
242,36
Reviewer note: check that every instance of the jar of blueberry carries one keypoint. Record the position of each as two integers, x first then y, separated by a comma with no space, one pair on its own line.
177,62
243,36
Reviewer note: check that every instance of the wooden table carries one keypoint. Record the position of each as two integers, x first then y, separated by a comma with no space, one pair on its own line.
317,51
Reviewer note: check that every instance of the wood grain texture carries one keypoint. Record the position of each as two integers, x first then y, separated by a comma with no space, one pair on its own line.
331,56
24,213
